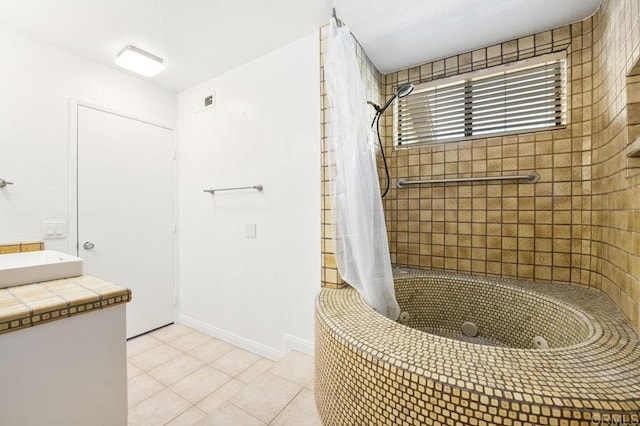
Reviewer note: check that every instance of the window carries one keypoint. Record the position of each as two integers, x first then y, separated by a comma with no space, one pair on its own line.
521,97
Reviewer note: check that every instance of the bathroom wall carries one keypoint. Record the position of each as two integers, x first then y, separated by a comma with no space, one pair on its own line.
615,185
263,129
36,83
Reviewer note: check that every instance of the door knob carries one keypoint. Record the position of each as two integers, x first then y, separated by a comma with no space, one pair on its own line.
88,245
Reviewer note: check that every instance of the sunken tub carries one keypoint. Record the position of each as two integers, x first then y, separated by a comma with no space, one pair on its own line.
476,351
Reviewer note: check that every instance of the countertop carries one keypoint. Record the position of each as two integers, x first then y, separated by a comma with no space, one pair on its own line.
33,304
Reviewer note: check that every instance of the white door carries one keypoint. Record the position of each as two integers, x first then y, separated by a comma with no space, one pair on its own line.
125,211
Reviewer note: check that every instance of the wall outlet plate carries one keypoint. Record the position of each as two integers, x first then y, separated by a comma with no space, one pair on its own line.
250,230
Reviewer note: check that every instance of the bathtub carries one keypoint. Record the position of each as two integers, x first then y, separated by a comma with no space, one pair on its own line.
37,266
544,354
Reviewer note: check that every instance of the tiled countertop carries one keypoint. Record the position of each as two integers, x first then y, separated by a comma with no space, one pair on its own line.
33,304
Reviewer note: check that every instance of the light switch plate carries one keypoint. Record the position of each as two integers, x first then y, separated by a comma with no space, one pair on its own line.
54,230
250,230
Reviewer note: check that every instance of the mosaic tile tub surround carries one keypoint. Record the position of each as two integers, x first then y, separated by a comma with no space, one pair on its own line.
370,370
33,304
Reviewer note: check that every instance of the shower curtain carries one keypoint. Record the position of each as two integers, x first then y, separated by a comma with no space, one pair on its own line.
360,234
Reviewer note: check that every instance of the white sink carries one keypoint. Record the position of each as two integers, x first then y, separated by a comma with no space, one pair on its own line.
37,266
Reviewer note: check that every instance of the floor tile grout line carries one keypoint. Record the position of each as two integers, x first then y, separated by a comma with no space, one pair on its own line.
240,372
143,400
182,412
162,363
172,359
161,343
228,401
147,350
209,394
285,407
210,364
194,371
169,387
209,338
147,372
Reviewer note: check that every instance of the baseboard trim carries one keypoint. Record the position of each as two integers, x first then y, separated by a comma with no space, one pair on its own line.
234,339
293,343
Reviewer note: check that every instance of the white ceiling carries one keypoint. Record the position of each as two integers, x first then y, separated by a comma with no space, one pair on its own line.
200,39
400,34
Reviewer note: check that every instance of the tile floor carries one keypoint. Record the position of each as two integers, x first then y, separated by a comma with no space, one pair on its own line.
179,376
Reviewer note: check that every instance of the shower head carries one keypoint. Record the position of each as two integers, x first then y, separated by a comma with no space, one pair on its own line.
404,90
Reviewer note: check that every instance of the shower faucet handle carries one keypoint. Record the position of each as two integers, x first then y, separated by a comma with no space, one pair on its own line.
4,183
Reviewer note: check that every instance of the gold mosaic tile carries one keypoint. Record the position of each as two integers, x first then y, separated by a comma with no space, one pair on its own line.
371,370
33,304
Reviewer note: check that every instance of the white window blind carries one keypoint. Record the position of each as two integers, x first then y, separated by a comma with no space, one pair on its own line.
501,100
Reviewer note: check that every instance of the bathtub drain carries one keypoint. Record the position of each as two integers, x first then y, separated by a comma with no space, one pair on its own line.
469,329
404,318
540,342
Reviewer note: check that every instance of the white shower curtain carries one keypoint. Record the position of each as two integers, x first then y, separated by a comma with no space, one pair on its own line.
360,234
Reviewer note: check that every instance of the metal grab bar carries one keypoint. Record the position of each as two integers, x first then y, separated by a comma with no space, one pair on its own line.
4,183
532,177
213,191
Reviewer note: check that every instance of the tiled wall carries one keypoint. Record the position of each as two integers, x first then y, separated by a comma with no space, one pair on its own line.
510,229
580,223
7,248
615,184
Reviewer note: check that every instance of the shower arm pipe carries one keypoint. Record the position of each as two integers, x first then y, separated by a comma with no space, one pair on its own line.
339,23
532,177
213,191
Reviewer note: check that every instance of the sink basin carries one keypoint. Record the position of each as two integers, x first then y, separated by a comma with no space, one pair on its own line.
37,266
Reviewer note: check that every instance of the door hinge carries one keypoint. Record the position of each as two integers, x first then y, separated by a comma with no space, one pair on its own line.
175,227
175,154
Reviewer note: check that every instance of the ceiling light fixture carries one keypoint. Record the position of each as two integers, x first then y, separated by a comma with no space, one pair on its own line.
139,61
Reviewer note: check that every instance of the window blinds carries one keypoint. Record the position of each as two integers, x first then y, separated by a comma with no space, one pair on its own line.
515,100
